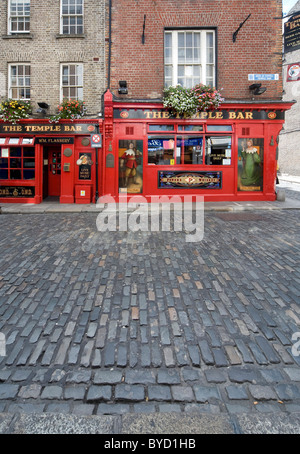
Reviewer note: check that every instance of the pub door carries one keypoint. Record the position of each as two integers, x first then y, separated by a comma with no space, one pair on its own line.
52,171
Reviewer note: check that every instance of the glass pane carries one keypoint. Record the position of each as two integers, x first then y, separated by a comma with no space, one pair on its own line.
80,93
218,150
193,150
3,163
181,55
189,40
28,163
181,42
250,164
226,128
28,152
3,173
168,40
161,127
131,166
28,174
15,151
161,151
190,128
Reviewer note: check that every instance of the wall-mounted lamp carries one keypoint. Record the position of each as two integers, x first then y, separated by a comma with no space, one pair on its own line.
122,87
257,89
43,106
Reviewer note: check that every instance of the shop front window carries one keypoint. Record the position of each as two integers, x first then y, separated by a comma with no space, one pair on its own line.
17,163
131,166
218,150
250,164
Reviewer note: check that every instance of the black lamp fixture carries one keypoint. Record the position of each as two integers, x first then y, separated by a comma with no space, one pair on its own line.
122,87
257,89
43,106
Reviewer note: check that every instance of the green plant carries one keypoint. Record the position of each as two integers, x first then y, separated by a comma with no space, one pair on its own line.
208,97
180,100
188,101
69,109
13,110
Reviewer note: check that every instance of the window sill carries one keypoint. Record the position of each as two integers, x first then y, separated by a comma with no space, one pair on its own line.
18,36
70,36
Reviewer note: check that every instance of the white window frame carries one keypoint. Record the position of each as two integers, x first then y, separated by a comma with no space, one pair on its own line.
19,86
10,17
77,86
203,56
71,15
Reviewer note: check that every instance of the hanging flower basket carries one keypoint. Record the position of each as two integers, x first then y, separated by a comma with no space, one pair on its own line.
188,101
13,110
69,109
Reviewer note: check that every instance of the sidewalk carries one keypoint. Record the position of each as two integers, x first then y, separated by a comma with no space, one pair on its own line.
54,207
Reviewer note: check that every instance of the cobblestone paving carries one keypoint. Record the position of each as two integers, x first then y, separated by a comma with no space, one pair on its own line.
110,323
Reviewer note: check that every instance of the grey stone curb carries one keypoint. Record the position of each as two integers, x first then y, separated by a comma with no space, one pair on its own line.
132,424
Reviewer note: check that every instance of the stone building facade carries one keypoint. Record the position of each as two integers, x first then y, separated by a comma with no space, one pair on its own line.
42,42
289,148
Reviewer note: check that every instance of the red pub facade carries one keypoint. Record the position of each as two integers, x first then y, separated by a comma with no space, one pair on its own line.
138,146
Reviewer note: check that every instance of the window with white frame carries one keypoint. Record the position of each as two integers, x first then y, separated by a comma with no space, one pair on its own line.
19,16
19,81
72,81
72,17
189,57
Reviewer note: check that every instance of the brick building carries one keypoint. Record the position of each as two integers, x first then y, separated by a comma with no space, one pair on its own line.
257,49
48,52
117,56
46,47
228,154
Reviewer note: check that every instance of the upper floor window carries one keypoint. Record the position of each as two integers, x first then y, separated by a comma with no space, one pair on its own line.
19,81
72,81
189,57
19,16
72,17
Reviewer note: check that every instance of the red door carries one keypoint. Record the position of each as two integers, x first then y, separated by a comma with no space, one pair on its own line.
54,171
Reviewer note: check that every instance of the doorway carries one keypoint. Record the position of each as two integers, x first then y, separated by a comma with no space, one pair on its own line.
52,172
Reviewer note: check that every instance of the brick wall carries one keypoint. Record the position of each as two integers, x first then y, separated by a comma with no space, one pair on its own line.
45,49
257,49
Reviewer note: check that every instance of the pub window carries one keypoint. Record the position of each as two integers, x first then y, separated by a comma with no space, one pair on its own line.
163,127
189,57
190,128
72,81
162,151
72,17
218,150
191,150
19,16
219,128
17,163
19,81
175,151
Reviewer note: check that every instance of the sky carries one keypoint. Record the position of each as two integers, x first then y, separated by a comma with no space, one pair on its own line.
287,5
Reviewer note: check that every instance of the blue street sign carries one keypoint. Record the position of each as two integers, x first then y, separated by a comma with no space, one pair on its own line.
263,76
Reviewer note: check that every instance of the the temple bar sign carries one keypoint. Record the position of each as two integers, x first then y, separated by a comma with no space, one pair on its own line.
157,114
292,33
62,128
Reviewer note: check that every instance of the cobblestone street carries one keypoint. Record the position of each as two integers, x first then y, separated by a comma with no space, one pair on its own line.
118,322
